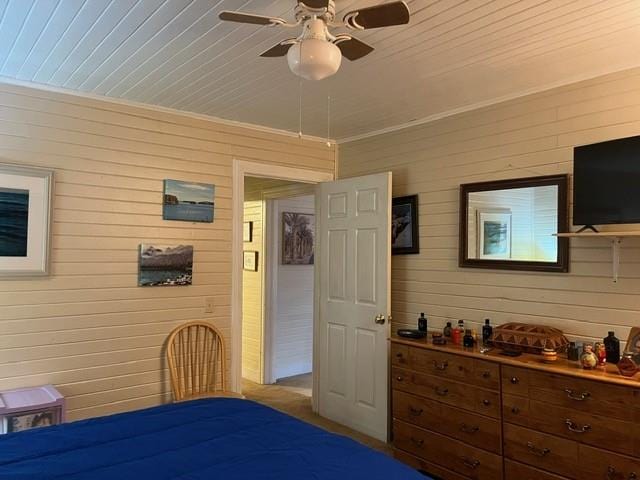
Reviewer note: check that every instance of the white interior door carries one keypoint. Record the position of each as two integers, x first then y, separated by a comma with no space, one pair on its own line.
354,262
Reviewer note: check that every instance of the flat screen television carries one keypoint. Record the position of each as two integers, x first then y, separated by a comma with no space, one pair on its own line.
606,182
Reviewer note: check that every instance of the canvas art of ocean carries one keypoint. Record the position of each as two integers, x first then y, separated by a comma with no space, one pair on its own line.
14,221
165,266
188,201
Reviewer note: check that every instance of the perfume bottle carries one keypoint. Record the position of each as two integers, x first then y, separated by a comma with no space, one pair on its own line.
573,352
467,340
460,329
487,331
612,347
447,330
456,338
627,365
422,323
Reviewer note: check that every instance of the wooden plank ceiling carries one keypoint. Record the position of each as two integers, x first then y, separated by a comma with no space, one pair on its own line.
454,54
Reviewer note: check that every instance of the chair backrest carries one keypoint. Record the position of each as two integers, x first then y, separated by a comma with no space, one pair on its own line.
196,357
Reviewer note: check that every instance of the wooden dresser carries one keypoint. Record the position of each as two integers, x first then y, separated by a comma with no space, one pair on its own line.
459,414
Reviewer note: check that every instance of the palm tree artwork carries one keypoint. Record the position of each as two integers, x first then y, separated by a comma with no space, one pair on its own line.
297,238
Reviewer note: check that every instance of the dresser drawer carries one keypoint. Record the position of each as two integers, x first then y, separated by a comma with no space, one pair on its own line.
515,381
399,355
518,471
597,464
613,401
471,428
583,427
423,466
457,394
456,367
515,409
451,454
544,451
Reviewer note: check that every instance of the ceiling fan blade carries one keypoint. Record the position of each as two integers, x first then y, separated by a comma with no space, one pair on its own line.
352,48
279,50
240,17
315,3
386,15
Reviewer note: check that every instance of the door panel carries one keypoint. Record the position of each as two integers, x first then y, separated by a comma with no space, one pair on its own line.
353,258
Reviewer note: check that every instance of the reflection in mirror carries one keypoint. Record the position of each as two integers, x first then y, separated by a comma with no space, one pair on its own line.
513,224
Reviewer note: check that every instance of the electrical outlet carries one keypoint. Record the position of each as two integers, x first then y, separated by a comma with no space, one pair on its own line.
208,305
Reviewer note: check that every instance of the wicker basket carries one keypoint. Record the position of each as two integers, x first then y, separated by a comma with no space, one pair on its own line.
523,337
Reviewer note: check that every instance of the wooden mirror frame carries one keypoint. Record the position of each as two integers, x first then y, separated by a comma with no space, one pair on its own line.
562,263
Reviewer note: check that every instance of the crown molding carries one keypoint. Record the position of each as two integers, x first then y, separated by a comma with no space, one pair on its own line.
158,108
486,103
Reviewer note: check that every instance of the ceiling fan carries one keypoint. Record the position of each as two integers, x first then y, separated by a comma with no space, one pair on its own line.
316,53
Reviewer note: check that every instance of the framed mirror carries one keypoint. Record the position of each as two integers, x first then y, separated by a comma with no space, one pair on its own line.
511,224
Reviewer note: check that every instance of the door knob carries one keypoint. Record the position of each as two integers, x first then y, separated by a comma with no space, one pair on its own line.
380,319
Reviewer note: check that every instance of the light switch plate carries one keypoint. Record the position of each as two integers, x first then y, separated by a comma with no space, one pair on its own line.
208,305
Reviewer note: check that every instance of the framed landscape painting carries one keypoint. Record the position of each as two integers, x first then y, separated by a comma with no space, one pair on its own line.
404,225
25,211
188,201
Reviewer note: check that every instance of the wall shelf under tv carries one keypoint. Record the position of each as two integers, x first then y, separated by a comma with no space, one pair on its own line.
616,239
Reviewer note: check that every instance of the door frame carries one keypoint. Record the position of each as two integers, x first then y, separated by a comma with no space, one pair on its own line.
271,227
241,169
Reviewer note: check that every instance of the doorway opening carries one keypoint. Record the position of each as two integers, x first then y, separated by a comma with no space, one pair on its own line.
278,290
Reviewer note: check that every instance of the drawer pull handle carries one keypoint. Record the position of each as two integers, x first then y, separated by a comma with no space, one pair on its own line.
540,452
515,410
467,429
486,374
613,475
486,402
443,392
470,463
515,380
399,355
573,396
417,442
416,412
399,378
575,429
441,365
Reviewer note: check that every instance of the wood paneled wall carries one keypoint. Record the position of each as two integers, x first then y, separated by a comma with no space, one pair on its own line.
530,136
88,328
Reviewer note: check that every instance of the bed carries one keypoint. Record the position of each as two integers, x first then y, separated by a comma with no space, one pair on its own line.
223,438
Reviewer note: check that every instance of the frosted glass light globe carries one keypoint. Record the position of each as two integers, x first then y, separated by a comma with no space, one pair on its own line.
314,59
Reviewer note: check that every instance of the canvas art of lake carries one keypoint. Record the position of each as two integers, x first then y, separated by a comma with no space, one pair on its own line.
188,201
164,266
14,222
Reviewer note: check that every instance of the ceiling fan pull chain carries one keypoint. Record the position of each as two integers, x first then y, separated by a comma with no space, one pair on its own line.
300,107
329,121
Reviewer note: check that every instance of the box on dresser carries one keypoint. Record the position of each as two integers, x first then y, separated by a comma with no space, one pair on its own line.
459,414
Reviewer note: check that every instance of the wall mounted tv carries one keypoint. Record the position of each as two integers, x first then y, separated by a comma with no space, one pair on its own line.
606,182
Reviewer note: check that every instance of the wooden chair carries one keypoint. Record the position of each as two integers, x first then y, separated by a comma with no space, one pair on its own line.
197,362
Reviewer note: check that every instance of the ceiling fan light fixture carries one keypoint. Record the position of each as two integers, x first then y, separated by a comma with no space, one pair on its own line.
314,59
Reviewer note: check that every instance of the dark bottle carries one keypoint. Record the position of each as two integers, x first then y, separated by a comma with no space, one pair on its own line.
467,340
573,353
612,347
422,323
487,331
447,330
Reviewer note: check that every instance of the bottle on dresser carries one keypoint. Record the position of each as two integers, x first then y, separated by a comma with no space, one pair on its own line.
422,323
458,333
447,330
612,347
487,331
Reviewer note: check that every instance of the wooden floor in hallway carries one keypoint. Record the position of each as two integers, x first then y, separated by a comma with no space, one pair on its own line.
298,405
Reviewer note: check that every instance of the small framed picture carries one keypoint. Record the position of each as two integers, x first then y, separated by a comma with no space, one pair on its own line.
28,420
633,342
247,232
404,225
250,261
494,233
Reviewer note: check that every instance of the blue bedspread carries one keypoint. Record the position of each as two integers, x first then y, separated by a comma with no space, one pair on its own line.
225,439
